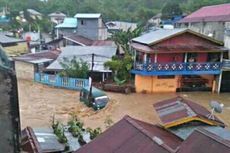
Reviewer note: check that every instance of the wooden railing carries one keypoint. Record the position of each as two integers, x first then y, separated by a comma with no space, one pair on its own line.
63,82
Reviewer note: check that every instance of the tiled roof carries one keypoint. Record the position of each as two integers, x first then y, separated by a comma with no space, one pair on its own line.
178,111
133,136
202,141
209,13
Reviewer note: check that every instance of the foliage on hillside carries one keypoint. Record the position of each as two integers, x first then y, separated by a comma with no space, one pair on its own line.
130,10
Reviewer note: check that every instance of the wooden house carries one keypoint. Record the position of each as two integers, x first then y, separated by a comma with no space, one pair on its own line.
177,60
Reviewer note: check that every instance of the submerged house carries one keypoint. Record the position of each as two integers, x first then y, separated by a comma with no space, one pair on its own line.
177,60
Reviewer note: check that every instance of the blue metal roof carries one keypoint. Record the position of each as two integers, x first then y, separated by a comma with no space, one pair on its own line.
68,23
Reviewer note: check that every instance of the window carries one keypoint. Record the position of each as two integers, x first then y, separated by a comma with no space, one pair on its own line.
82,22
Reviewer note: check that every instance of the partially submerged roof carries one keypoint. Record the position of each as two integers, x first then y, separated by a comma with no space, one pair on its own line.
133,136
159,35
178,111
87,15
39,57
68,23
101,55
209,14
203,141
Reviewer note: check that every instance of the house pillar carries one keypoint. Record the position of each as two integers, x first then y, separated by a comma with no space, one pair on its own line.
155,58
219,82
221,56
185,57
103,76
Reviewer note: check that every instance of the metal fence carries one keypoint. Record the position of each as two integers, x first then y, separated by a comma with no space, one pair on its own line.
63,82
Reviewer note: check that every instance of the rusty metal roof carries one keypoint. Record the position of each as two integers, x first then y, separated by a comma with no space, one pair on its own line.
209,14
202,141
177,111
133,136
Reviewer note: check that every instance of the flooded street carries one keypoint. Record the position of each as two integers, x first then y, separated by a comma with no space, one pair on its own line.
39,103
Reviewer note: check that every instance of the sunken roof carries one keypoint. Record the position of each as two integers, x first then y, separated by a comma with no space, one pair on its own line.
203,141
133,136
209,14
177,111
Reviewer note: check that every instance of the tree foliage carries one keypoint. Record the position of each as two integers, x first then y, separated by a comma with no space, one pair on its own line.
170,10
74,68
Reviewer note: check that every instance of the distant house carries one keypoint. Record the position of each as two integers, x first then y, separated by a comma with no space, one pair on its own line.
155,20
133,136
33,14
114,26
69,26
213,21
101,55
57,17
177,60
91,26
13,46
26,65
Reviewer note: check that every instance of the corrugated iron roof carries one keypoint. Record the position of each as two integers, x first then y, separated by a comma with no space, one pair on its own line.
68,23
87,15
133,136
5,39
39,56
159,35
83,41
177,111
209,13
102,54
202,141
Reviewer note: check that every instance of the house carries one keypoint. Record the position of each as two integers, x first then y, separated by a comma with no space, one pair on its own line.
115,26
101,55
28,64
57,17
69,26
213,21
177,60
178,111
91,26
13,46
130,135
33,14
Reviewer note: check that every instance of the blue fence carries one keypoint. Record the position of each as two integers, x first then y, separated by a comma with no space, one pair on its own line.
63,82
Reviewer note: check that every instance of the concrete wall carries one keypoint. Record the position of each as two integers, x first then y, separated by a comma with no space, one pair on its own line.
152,84
92,28
24,70
227,37
216,29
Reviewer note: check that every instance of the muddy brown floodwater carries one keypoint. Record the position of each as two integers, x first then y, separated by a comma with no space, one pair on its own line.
38,103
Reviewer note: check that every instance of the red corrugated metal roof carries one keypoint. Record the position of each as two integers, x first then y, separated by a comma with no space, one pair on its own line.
179,111
133,136
209,13
39,55
202,141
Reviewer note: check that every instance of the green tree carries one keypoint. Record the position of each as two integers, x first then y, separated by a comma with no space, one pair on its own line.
74,68
170,10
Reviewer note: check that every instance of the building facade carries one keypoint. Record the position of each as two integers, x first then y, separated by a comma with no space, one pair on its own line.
177,60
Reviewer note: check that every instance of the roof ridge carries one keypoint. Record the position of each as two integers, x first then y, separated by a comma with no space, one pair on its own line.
155,139
215,5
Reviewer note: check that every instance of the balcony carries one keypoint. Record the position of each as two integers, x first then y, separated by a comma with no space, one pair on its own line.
177,68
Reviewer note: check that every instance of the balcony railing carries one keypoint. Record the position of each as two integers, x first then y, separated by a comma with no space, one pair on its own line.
178,68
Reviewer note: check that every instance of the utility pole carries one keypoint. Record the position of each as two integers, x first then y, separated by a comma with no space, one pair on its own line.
91,72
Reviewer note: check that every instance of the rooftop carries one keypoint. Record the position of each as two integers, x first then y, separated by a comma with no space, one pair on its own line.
209,13
133,136
178,111
68,23
102,54
87,15
57,14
